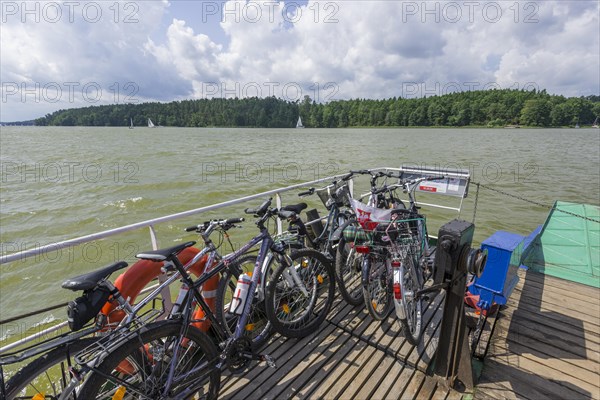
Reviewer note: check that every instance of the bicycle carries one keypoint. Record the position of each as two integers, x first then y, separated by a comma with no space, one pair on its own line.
328,238
414,266
398,260
173,359
55,364
349,262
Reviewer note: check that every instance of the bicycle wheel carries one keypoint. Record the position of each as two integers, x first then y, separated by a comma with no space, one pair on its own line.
142,366
377,285
47,374
299,296
348,265
258,327
412,324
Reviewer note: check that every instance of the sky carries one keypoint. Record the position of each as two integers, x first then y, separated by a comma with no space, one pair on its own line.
64,54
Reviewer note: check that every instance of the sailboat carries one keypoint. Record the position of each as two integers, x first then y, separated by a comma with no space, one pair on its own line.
130,123
150,124
299,123
596,124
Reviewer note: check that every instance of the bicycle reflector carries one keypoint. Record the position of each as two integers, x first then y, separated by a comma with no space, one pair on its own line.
396,274
362,249
397,291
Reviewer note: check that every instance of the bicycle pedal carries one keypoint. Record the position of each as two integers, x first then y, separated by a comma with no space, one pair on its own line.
269,360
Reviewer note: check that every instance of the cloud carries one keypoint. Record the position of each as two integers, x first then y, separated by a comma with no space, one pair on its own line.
327,50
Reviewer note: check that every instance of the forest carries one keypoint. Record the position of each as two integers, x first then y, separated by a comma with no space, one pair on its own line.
489,108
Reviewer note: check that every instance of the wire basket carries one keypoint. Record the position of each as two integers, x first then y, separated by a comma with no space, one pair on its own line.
291,239
398,231
337,194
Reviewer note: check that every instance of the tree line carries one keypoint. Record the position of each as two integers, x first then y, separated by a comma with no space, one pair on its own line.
492,108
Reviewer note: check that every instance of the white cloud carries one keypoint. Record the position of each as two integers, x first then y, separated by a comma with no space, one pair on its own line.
370,49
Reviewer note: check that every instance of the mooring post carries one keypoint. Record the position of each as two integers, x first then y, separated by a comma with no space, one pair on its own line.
453,261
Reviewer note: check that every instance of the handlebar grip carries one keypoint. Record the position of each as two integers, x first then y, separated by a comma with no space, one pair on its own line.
436,178
261,210
234,220
307,193
191,228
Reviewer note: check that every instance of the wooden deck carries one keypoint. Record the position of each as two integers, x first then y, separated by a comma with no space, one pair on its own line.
350,356
545,344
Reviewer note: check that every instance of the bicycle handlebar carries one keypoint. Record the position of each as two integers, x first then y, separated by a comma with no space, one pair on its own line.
223,223
260,211
309,192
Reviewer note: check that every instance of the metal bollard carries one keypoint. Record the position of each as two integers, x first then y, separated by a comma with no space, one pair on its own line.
454,259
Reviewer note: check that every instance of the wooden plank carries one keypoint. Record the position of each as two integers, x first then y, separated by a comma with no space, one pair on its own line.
411,354
411,390
428,388
568,306
347,353
522,302
398,386
441,392
288,355
500,374
499,392
532,279
392,376
539,341
425,350
296,384
551,369
554,322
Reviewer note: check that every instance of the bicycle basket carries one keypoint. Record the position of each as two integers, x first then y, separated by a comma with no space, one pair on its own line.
290,239
334,194
84,308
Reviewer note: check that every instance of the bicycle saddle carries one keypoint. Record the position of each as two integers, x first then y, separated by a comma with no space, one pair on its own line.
90,280
164,254
297,208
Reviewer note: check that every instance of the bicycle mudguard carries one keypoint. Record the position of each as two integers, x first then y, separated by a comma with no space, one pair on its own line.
136,277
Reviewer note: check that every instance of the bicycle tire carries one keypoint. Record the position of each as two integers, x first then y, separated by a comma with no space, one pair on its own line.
292,312
153,345
348,265
377,287
412,325
258,327
46,374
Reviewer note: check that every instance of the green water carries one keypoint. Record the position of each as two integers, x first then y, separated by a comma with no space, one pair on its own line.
60,183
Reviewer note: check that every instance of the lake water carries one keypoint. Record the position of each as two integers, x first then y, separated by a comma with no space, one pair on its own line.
60,183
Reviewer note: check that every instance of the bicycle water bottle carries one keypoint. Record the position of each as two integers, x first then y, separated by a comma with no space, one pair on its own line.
241,294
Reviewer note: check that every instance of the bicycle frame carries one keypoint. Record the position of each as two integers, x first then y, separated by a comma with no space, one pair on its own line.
194,297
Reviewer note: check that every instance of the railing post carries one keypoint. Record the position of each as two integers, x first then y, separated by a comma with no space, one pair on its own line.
278,205
166,291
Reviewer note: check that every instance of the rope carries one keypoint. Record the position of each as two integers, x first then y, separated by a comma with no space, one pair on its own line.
515,196
476,198
5,321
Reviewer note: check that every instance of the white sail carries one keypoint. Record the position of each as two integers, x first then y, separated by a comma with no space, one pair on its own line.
595,125
130,123
150,124
299,123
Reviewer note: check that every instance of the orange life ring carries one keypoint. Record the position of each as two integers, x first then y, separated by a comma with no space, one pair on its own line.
136,277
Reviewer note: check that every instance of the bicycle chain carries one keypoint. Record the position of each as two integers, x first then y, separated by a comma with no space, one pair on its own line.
527,201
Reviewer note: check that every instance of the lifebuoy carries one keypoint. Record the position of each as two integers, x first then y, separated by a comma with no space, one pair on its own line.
136,277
